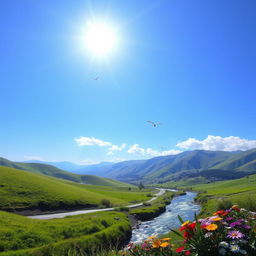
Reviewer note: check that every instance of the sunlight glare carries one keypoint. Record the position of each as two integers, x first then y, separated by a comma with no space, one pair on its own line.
100,39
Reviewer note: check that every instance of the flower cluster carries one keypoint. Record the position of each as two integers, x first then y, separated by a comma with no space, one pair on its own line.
227,232
152,246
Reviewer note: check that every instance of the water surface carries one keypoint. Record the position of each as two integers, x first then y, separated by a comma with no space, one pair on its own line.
180,205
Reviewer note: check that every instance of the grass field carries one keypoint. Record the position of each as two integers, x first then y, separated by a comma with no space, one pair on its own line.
53,171
23,236
223,194
21,190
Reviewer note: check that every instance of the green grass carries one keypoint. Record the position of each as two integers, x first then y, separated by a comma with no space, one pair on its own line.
23,236
21,190
241,191
53,171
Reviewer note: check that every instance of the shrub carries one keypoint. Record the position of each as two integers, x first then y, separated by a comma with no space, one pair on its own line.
224,204
106,203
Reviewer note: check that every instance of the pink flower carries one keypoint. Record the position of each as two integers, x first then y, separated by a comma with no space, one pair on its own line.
235,234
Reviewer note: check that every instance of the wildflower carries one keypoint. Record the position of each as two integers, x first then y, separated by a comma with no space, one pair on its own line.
151,237
187,235
229,218
156,243
247,227
216,219
236,208
185,223
208,234
166,239
188,253
180,249
221,212
211,227
234,248
235,234
165,244
236,223
224,244
144,245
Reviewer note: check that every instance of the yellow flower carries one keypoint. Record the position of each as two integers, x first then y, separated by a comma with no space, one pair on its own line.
185,223
152,237
166,239
156,243
211,227
216,219
165,244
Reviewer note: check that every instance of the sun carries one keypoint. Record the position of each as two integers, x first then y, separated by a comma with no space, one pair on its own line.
100,39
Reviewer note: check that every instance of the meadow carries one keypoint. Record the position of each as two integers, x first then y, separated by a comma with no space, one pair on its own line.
224,194
21,191
76,235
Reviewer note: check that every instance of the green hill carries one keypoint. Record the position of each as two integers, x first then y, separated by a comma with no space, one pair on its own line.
58,173
21,190
245,161
240,191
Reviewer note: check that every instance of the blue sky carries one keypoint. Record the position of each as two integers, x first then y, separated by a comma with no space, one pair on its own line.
188,64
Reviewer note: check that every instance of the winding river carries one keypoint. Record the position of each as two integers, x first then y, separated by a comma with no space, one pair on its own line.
180,205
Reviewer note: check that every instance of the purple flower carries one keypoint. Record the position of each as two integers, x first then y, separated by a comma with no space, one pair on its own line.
236,223
144,245
235,234
247,227
229,218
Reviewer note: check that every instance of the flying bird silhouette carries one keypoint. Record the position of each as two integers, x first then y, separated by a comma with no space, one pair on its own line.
96,78
154,124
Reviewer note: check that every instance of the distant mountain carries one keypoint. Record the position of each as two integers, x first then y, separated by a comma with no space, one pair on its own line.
197,163
53,171
66,166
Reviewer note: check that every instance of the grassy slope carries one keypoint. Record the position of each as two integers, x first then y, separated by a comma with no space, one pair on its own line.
241,191
21,190
18,232
241,161
50,170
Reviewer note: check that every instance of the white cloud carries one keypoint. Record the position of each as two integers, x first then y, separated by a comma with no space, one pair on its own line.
117,148
91,141
137,150
38,158
215,143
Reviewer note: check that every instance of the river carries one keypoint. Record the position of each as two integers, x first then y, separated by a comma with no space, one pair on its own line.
180,205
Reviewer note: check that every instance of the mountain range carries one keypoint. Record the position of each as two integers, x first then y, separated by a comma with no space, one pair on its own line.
212,165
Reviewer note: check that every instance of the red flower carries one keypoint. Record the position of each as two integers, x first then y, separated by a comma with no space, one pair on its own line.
182,228
180,249
191,226
187,235
188,253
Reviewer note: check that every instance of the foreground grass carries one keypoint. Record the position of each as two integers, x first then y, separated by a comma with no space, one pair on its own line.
76,235
21,190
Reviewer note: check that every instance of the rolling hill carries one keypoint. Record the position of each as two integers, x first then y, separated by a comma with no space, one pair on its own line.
21,190
50,170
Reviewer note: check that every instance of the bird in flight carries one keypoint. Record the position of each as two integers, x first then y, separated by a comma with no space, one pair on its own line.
96,78
154,124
